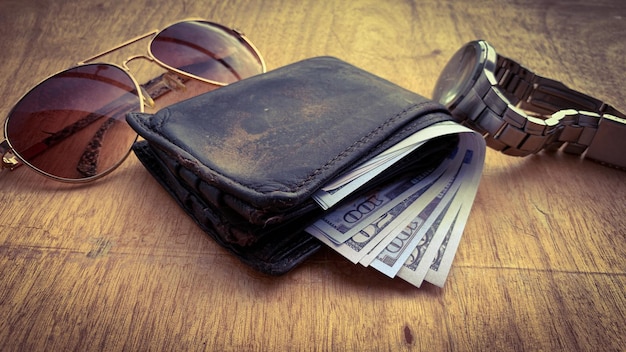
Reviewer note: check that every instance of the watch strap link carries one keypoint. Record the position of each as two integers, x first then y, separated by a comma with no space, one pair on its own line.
521,113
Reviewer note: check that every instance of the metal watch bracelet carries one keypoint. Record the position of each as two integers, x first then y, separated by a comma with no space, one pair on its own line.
521,113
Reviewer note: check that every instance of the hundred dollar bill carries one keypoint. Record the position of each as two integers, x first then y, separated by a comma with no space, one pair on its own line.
440,267
383,160
390,260
426,237
406,220
329,196
424,205
371,232
348,219
444,225
416,268
363,237
427,249
402,148
350,181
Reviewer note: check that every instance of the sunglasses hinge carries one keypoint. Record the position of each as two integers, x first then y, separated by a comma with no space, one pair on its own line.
9,160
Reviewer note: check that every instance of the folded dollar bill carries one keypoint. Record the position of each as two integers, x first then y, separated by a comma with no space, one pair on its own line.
411,227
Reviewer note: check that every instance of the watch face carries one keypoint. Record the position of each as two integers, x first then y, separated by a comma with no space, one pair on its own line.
458,75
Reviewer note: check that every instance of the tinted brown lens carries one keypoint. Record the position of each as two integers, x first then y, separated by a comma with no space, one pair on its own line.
72,126
206,50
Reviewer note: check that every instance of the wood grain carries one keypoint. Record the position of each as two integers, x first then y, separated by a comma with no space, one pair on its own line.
116,265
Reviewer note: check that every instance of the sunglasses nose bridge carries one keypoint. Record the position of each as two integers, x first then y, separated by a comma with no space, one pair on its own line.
136,57
146,96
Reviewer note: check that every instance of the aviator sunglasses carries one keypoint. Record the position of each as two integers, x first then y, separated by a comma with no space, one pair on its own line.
71,126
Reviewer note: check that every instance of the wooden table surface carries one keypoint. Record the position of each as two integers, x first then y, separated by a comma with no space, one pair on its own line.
116,265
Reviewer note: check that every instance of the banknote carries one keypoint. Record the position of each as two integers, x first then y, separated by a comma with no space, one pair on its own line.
383,160
448,233
375,229
328,196
426,250
442,225
440,267
411,227
391,258
426,212
344,185
348,219
378,228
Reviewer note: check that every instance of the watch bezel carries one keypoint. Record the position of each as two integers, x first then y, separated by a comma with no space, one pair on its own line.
484,63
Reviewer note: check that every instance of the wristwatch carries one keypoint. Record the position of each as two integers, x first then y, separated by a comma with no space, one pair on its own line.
521,113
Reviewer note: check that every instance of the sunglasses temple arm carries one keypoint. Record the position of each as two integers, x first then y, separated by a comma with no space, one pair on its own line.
161,85
88,163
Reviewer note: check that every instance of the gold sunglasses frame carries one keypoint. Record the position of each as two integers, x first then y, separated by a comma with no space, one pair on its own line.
173,79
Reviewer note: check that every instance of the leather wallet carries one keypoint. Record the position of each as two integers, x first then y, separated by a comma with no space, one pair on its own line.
244,160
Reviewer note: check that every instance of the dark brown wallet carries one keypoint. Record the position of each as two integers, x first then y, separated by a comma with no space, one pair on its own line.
245,159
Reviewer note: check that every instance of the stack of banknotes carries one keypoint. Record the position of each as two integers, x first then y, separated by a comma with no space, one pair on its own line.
410,227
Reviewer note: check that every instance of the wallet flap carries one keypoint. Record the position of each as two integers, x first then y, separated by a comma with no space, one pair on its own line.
274,139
